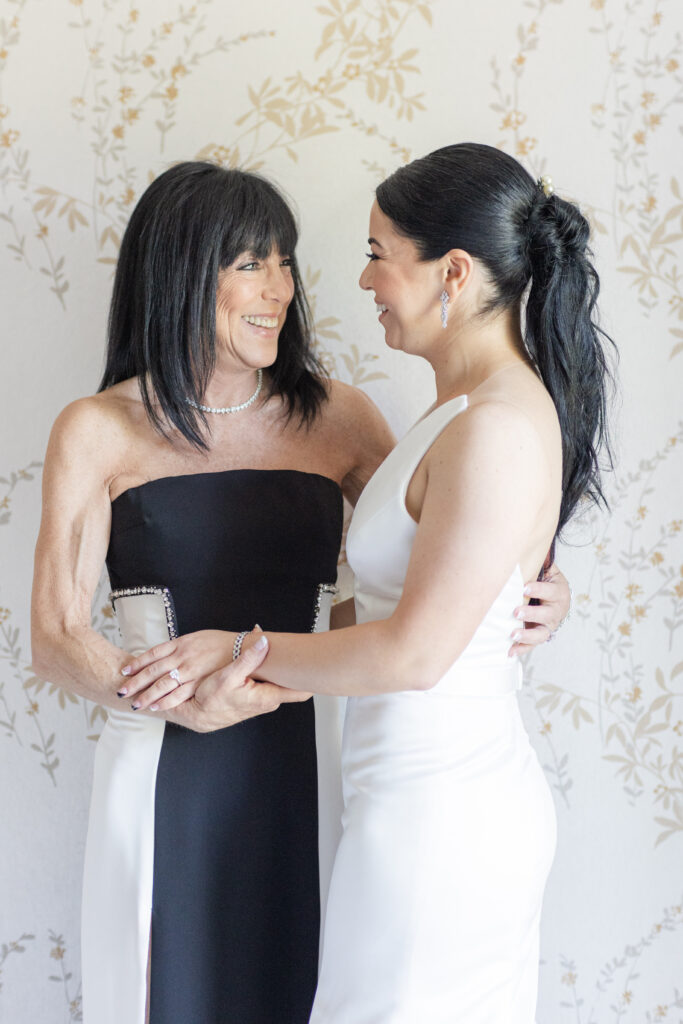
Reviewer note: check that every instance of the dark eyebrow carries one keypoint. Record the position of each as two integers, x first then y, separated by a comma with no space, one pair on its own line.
373,241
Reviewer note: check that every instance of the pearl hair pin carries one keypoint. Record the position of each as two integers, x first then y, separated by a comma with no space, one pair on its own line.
546,185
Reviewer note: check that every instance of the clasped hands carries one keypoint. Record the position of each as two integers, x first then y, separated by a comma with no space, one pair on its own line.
194,682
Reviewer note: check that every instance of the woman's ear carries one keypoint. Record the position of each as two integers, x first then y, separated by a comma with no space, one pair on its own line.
459,267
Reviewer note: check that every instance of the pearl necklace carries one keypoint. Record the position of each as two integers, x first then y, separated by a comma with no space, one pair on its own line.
232,408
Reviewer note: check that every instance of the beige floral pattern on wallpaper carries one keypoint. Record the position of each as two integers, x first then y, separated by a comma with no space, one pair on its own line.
643,83
637,708
69,988
368,64
615,988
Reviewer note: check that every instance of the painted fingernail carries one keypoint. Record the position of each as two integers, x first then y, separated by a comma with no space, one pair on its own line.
135,707
518,613
153,707
122,692
516,635
125,671
261,643
527,590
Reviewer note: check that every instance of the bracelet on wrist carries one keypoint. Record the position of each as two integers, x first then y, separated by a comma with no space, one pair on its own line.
237,646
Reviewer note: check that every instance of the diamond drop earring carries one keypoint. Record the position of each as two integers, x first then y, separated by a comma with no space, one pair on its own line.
444,309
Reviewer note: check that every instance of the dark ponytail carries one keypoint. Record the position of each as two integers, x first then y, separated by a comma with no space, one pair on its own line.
565,341
477,198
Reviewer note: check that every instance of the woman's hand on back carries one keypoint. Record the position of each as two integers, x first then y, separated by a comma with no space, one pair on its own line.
538,622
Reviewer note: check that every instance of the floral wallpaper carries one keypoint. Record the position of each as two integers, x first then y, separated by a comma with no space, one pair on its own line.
99,96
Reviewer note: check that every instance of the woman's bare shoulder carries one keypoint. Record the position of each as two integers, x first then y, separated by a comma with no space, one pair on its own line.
98,424
349,407
516,399
507,439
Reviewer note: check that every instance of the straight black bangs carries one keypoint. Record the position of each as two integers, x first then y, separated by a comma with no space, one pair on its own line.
261,222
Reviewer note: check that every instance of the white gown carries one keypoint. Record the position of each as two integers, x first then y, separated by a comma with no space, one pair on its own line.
449,826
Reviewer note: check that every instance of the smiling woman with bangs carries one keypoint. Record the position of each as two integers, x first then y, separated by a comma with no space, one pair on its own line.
208,474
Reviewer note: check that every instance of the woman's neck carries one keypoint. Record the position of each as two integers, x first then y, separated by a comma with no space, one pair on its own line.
229,386
468,356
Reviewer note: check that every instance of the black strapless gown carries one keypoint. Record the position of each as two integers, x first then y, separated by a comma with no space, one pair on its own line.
230,861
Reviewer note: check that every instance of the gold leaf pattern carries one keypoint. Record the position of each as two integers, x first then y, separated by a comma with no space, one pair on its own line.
14,946
329,110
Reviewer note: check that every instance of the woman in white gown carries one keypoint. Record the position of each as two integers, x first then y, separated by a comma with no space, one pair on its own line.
449,828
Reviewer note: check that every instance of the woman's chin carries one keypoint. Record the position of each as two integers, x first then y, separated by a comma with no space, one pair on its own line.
267,356
264,356
391,338
396,340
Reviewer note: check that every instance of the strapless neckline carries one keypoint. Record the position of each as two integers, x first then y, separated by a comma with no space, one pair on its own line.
220,473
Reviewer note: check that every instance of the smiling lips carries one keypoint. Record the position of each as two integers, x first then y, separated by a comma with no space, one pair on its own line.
261,321
272,321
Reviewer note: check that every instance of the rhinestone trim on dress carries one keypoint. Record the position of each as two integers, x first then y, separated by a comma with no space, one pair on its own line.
168,603
323,588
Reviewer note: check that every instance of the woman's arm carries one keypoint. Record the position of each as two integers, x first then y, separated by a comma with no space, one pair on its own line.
359,429
70,553
537,623
199,655
485,493
366,435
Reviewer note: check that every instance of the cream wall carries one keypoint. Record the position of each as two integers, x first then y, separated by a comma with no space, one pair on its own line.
97,97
